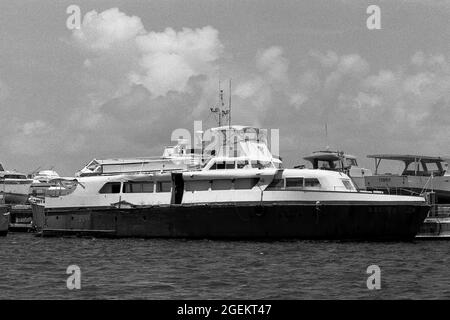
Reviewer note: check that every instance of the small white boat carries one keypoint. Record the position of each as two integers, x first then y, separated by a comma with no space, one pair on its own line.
241,192
15,186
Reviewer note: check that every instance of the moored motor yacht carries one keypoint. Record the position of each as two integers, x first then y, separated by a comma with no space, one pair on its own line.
45,181
240,192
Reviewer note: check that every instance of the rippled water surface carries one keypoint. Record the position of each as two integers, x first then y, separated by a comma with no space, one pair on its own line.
34,267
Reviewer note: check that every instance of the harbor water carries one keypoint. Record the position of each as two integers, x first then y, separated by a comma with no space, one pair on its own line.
35,268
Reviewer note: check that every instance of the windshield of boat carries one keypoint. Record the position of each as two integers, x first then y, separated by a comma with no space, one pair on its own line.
339,164
422,168
15,176
240,164
329,165
350,162
261,164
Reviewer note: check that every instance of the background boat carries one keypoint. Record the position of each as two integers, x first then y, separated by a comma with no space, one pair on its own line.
420,174
15,186
341,162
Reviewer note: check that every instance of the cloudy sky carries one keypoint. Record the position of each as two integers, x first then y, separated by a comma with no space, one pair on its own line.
136,70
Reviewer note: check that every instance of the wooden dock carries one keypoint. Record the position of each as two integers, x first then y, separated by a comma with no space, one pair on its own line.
21,218
437,225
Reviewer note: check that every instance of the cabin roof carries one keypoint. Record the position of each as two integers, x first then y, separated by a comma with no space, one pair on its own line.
47,173
328,156
125,160
406,157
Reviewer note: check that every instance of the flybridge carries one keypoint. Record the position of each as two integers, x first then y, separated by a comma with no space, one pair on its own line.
133,165
225,143
240,142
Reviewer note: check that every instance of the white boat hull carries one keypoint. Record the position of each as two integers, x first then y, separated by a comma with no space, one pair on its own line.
411,185
15,191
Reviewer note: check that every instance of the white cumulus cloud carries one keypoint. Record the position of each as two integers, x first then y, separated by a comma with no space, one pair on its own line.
102,31
169,59
160,61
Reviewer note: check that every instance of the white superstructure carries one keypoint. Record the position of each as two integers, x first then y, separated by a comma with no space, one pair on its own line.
240,168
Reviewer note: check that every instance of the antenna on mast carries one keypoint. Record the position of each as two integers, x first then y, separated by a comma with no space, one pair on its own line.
217,109
220,110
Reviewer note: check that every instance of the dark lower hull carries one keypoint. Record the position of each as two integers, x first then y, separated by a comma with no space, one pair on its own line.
240,221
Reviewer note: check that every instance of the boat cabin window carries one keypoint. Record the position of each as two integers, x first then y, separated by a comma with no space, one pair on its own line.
350,162
347,184
241,164
229,165
199,185
163,186
422,168
326,165
226,165
220,165
138,187
221,184
276,184
110,187
335,165
312,182
261,164
433,168
294,183
14,176
412,168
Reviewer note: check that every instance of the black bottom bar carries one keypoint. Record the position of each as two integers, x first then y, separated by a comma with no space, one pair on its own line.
240,221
